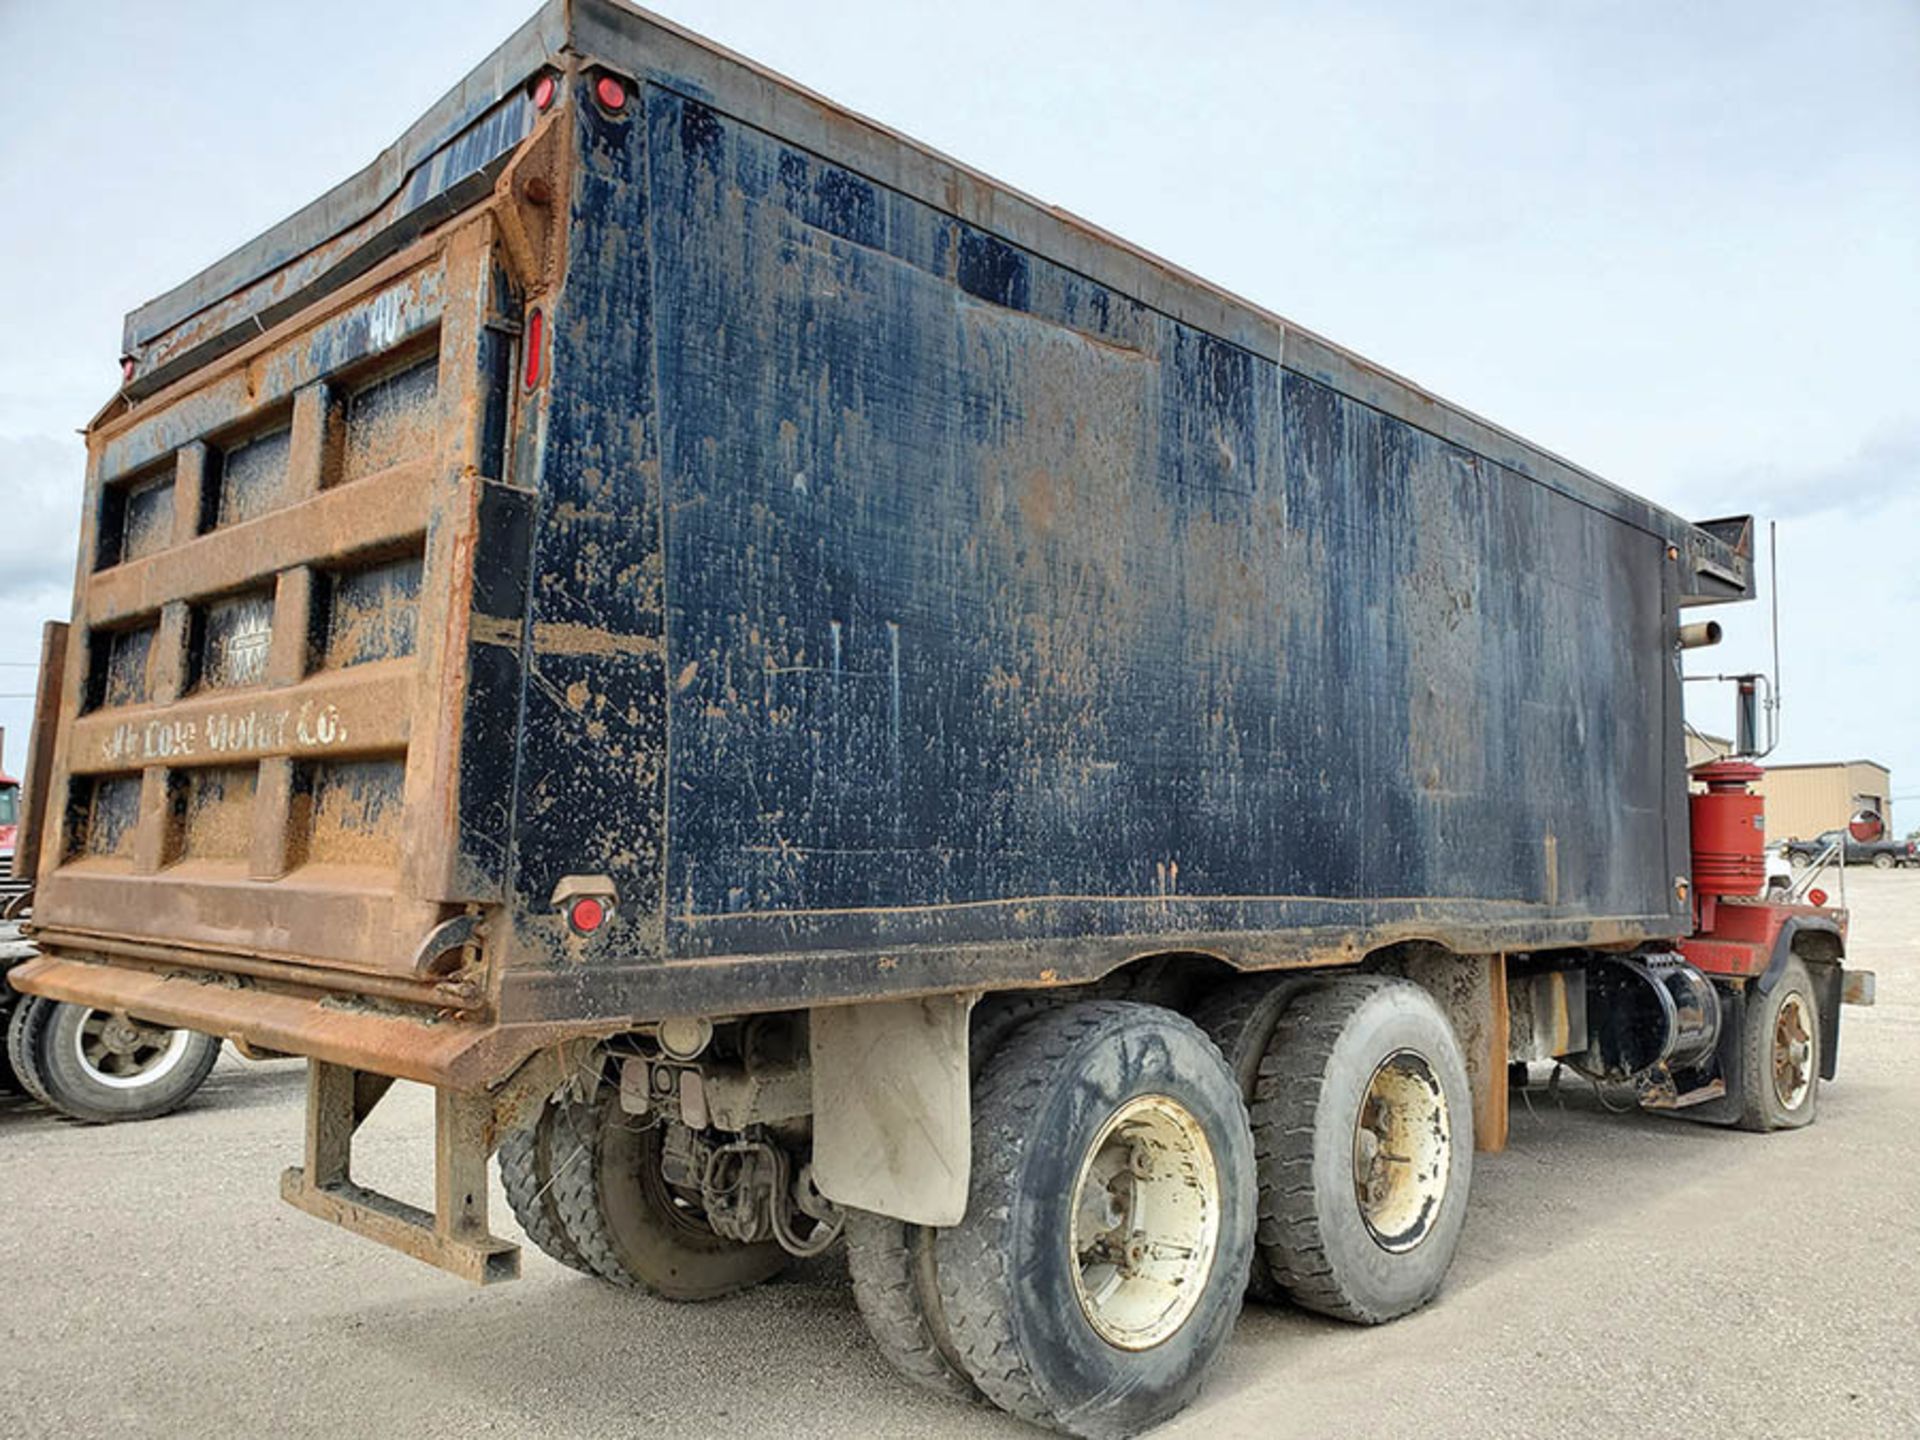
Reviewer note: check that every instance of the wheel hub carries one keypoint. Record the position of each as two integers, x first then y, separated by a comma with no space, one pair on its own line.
1402,1152
1146,1222
124,1053
1792,1053
123,1037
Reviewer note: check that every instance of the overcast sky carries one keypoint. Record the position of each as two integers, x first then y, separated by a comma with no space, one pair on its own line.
1679,244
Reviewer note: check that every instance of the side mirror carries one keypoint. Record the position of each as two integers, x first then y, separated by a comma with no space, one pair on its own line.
1867,827
1746,715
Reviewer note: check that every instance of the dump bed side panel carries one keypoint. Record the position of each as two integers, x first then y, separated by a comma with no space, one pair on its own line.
1003,607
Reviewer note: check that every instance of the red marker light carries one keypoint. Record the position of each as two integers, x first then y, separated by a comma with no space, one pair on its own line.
611,94
1817,897
536,337
126,369
543,92
587,915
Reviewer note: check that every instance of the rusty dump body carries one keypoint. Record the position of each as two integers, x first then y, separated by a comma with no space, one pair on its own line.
869,580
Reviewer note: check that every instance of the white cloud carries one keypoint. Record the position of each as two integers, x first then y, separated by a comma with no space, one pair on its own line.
41,479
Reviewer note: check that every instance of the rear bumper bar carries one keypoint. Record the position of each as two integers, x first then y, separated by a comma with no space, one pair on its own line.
488,1080
452,1054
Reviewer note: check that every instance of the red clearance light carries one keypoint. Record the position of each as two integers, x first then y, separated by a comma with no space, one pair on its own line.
611,94
1817,897
536,338
126,369
544,90
586,915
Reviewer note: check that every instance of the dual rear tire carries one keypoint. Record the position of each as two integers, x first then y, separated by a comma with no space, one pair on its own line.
1363,1119
1118,1165
1131,1169
587,1184
1100,1265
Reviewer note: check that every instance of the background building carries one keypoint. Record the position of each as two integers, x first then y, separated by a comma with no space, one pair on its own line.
1803,800
1702,747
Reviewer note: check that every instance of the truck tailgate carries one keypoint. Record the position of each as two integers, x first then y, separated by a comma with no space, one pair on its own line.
263,706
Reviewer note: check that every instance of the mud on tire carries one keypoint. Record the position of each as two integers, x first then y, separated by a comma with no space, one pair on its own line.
1240,1018
1780,1053
529,1159
628,1224
894,1264
1362,1053
1030,1302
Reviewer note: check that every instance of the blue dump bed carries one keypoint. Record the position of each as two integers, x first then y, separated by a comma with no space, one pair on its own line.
870,581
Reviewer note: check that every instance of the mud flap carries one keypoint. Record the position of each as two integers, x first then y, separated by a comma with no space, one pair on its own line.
892,1107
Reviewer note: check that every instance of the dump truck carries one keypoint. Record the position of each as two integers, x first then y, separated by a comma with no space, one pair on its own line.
815,698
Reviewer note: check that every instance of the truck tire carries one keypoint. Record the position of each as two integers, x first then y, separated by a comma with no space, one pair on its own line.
1085,1113
99,1067
11,1082
1240,1018
1883,861
1780,1053
894,1264
9,1077
528,1159
632,1228
1363,1071
896,1287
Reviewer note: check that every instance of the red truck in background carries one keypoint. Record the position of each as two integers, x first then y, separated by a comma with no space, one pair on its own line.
10,884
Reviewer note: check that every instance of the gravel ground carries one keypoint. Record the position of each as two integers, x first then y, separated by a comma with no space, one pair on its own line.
1619,1275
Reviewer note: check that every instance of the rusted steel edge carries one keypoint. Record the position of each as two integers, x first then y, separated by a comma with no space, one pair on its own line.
463,105
737,984
454,1054
434,994
125,412
403,1227
48,695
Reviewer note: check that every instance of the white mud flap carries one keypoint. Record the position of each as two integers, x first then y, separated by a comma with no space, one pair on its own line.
892,1107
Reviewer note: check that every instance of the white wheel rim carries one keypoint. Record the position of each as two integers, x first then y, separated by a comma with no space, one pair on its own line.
125,1054
1402,1152
1792,1052
1146,1223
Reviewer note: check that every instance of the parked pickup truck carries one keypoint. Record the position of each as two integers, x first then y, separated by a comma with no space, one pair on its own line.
1881,854
815,698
